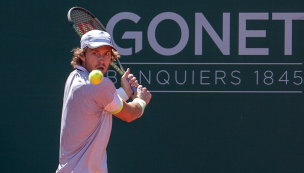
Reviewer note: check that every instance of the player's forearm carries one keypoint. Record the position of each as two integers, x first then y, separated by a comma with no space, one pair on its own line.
130,111
134,110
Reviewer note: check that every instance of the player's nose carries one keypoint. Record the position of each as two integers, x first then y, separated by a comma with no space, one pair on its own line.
100,58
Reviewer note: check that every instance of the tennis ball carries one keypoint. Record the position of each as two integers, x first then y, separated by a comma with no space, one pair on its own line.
95,77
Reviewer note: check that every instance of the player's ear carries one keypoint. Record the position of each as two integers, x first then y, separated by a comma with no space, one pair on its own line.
81,56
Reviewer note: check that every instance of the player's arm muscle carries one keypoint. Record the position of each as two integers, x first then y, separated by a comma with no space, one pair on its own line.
129,112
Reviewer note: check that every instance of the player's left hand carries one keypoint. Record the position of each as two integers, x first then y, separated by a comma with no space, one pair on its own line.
126,85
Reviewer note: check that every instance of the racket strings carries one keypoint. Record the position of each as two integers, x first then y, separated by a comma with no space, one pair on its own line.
84,22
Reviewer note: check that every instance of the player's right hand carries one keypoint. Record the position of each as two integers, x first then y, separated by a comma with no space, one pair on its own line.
143,94
126,85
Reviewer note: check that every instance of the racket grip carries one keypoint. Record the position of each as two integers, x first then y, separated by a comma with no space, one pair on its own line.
133,88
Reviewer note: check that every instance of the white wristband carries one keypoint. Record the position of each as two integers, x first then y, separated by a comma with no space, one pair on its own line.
142,104
122,94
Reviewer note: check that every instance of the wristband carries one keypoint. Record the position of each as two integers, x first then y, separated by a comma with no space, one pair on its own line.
142,104
122,94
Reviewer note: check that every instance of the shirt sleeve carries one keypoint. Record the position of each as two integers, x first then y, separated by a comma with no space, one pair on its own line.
115,106
108,98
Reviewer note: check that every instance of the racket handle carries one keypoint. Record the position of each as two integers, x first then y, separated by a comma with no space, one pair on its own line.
133,88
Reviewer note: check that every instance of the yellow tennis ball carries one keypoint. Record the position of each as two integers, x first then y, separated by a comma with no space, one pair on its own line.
95,77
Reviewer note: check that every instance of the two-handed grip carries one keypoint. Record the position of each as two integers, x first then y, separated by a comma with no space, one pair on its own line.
133,88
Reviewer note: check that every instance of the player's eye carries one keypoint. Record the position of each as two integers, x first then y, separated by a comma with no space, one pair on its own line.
107,55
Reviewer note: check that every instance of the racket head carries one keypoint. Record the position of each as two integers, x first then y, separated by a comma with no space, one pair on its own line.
83,21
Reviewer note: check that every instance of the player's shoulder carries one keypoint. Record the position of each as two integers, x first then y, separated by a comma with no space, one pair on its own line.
105,84
105,90
77,73
107,81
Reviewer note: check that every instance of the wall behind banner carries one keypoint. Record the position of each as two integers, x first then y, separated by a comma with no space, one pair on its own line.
217,106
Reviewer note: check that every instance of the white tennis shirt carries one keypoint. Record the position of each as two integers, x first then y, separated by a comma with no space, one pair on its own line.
86,123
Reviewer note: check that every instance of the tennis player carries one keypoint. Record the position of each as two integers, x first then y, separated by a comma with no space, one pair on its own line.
87,109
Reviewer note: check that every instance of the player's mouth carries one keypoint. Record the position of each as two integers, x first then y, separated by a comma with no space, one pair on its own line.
101,68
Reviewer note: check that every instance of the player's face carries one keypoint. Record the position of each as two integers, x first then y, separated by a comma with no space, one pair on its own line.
98,58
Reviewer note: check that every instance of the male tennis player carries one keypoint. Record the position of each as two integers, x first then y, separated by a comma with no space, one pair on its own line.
87,109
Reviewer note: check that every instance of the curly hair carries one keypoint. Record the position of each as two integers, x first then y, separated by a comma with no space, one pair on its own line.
77,52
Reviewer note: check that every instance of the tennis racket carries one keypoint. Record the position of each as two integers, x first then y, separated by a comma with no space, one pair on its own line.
82,22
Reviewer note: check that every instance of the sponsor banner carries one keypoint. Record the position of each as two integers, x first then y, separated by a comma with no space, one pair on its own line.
204,57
